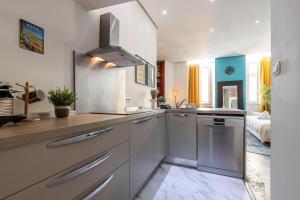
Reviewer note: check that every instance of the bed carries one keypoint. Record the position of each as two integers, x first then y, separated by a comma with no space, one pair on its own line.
260,128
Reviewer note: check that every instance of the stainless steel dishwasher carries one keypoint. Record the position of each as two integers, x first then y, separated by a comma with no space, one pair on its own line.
221,147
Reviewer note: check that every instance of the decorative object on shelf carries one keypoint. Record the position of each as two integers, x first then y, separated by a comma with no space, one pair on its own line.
229,70
61,99
30,97
145,74
31,37
154,94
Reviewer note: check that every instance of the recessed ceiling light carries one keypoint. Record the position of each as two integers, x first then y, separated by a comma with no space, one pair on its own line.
164,12
212,0
211,30
257,22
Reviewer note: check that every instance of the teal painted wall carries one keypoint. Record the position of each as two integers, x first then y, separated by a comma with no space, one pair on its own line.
239,63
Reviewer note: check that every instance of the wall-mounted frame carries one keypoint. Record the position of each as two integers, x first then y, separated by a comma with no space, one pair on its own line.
31,37
140,74
145,74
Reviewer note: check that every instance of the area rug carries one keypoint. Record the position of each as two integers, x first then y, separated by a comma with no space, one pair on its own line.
254,145
258,175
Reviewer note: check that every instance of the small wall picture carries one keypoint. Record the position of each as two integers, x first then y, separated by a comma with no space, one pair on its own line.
31,37
140,74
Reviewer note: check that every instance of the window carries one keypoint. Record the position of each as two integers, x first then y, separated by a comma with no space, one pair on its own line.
207,79
205,85
253,82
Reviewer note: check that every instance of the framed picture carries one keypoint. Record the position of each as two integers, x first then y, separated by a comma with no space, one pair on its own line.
150,75
140,74
145,75
31,37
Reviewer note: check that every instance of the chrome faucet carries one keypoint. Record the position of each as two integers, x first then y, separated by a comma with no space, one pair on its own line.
180,103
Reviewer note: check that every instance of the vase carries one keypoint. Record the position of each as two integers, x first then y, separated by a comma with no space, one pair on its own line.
153,103
62,111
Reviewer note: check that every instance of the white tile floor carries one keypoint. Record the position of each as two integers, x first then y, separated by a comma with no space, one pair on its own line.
179,183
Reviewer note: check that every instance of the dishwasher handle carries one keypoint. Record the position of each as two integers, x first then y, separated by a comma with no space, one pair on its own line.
219,123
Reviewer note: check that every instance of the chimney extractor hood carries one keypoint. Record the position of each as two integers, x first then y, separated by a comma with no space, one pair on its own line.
109,48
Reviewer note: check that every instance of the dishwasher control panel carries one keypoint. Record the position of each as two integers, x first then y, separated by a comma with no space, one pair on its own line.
221,121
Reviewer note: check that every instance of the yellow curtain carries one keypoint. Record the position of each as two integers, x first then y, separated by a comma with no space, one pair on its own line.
193,84
265,76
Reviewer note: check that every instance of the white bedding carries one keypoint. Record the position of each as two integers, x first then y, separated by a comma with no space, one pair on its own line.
259,127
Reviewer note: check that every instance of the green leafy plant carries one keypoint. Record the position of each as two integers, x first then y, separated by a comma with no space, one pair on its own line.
266,97
61,97
161,99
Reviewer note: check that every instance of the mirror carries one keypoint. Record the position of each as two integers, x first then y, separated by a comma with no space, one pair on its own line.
230,94
230,98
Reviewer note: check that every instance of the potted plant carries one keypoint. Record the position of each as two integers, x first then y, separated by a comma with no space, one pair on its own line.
154,94
161,100
61,99
266,97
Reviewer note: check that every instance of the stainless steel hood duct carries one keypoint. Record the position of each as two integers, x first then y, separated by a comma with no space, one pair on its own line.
109,49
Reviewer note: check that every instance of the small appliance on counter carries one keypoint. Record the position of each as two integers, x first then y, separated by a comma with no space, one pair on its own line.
6,104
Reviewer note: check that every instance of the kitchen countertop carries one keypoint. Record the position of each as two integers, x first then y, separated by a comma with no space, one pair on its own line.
223,111
30,132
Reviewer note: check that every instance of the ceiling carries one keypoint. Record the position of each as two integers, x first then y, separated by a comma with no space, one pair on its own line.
184,33
96,4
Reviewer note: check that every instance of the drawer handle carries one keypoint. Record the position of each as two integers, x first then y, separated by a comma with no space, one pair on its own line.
99,189
79,138
181,115
79,171
159,116
142,120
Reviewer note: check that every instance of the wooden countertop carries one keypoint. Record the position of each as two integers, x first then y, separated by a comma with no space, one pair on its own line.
47,129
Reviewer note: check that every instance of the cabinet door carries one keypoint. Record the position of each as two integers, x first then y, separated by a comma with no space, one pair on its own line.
182,136
159,139
141,153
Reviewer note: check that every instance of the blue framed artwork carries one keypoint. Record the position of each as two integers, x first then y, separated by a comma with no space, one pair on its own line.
31,37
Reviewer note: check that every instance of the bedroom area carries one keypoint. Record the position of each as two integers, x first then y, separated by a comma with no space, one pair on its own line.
258,125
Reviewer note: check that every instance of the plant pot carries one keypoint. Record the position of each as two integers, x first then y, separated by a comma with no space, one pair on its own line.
62,111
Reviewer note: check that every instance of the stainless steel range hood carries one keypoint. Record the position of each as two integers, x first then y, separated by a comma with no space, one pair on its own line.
109,49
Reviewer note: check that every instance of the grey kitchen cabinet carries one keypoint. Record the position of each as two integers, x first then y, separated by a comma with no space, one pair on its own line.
182,136
18,168
141,153
159,138
99,176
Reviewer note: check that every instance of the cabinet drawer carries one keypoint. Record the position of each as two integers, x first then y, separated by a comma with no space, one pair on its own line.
115,186
26,165
73,182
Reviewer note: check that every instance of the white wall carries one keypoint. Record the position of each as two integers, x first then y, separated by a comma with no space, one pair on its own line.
169,82
68,26
59,20
285,160
181,80
137,35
